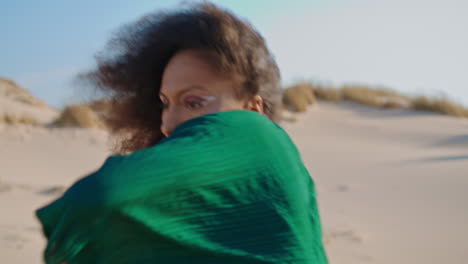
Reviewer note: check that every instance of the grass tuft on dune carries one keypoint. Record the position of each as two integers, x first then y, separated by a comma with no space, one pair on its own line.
439,105
16,120
296,98
79,116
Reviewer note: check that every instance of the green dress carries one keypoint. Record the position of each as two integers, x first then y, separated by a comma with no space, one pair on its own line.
226,187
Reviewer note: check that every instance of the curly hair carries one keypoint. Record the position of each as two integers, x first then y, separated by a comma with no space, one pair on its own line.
129,70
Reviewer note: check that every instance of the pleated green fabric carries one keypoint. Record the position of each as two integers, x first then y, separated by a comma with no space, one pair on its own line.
226,187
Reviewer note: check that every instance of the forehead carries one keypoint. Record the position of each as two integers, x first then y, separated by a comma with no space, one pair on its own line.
188,67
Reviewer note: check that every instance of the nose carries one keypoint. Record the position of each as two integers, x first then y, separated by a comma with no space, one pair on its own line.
165,130
168,122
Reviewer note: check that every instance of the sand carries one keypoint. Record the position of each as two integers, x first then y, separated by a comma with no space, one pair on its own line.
391,184
36,165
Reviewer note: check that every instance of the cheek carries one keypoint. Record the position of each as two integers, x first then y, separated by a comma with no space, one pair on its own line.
174,117
223,105
215,106
229,103
187,114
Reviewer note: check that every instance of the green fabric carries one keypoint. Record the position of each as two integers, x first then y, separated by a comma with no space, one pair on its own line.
226,187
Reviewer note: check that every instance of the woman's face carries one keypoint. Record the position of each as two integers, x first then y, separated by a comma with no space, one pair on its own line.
190,87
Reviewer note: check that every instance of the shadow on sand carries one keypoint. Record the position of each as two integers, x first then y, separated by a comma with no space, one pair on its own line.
375,112
445,158
460,141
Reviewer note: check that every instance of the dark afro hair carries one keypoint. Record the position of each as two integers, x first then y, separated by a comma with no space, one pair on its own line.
129,70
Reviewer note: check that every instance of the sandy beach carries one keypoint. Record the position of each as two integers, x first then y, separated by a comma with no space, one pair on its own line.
391,184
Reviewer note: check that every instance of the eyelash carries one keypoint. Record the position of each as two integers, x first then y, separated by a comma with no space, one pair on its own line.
191,104
194,104
165,105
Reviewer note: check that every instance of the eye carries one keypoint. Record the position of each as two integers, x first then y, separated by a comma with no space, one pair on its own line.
194,102
164,101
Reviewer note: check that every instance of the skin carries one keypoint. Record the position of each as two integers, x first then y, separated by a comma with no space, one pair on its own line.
191,87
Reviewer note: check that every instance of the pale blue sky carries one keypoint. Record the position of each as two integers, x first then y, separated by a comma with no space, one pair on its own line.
415,46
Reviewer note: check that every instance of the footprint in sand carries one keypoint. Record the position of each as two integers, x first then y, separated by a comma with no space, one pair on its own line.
24,186
13,239
53,190
33,228
4,187
342,188
364,258
349,239
347,235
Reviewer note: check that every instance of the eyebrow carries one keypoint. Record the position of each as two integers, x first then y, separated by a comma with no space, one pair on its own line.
185,90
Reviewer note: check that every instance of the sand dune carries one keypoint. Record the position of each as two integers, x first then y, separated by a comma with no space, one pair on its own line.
17,103
391,183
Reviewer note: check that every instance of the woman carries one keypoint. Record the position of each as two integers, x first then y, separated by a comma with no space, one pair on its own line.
203,175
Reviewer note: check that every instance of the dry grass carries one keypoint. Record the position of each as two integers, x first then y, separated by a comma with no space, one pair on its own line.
100,106
10,89
373,96
360,95
8,82
79,116
298,97
16,120
439,105
395,104
286,115
328,94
